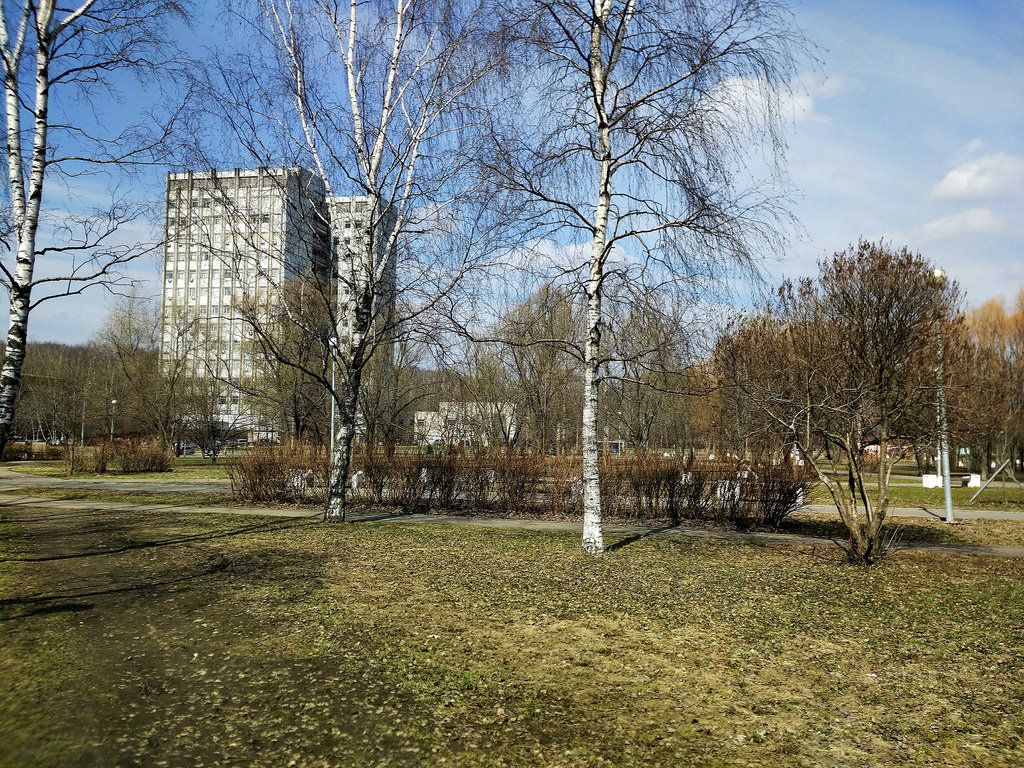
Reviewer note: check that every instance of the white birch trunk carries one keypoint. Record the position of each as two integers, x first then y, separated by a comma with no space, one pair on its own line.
593,540
341,456
25,203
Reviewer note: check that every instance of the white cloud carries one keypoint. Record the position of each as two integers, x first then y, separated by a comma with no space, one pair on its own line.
747,99
969,151
806,91
976,221
988,177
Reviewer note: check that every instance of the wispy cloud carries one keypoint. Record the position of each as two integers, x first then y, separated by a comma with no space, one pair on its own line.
975,221
992,176
807,91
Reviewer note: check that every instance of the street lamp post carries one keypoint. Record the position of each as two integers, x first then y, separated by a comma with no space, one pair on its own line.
113,408
941,414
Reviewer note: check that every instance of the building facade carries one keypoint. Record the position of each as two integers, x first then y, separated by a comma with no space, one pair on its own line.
233,242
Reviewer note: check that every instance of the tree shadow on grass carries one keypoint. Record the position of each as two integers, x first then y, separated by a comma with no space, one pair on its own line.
71,600
170,541
622,543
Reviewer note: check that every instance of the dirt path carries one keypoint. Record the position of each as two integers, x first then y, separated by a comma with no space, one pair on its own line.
634,532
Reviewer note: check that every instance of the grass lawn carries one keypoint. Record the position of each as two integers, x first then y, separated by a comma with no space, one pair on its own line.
187,498
932,498
191,640
185,468
914,529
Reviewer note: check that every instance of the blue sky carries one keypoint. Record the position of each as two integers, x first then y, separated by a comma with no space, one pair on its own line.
909,128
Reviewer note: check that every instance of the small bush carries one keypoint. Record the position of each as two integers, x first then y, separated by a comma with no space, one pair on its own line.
516,482
409,482
692,496
134,456
378,471
614,482
280,474
443,475
98,458
22,450
476,482
761,494
783,488
565,487
72,456
654,484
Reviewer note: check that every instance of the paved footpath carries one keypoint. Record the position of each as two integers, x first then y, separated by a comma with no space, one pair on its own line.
10,481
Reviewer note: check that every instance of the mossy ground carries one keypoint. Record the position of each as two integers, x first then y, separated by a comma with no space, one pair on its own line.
178,639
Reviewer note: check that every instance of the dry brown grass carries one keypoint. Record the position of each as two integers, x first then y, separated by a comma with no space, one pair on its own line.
224,642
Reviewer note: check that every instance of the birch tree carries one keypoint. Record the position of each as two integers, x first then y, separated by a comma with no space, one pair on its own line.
378,99
57,63
629,147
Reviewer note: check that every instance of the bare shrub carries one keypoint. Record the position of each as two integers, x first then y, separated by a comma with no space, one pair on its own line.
98,458
477,480
613,487
280,474
760,493
691,497
443,474
565,489
20,450
73,458
782,489
378,470
409,481
516,481
653,483
134,456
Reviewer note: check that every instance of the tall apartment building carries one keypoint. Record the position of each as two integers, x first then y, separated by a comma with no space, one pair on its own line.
232,240
351,221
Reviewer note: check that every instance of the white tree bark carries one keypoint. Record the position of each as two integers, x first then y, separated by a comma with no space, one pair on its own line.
32,40
25,199
600,70
371,119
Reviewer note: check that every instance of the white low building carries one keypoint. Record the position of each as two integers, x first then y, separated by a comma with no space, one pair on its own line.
467,423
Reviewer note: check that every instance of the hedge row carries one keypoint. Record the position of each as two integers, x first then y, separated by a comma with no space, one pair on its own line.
642,488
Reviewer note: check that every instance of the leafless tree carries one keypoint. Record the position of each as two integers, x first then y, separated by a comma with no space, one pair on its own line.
153,389
996,340
842,367
539,345
395,385
379,100
56,62
628,148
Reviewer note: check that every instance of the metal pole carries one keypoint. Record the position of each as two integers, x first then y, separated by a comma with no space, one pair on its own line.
943,439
